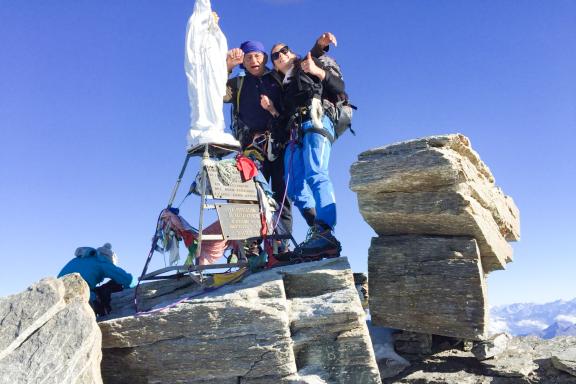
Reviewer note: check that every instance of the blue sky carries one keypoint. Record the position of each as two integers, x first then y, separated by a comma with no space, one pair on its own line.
94,114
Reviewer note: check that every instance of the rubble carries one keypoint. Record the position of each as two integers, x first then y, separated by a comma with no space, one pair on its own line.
524,360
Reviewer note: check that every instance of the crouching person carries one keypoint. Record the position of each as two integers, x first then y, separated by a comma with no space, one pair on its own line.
95,265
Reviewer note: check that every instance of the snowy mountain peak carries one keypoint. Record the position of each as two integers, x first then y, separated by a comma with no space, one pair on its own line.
544,320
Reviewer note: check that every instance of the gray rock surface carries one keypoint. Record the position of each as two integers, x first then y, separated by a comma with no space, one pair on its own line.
428,284
526,360
412,343
565,360
436,186
491,347
49,334
297,324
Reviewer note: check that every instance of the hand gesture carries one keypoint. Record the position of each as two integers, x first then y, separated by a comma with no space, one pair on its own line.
268,105
234,57
309,66
325,39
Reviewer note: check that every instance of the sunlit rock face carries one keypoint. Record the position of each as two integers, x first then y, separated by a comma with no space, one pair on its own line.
428,284
295,324
49,334
442,224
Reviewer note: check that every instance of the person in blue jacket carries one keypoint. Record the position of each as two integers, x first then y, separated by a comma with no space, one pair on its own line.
95,265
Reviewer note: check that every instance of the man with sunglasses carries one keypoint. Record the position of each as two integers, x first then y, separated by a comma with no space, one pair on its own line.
251,122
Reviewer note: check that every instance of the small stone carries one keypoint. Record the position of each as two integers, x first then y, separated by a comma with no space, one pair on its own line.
515,361
565,361
491,347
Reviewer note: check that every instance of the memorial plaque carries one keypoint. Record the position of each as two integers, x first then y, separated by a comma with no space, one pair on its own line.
235,189
239,221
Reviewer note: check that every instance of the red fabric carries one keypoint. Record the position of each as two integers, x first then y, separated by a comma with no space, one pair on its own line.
212,250
180,226
272,261
263,225
246,167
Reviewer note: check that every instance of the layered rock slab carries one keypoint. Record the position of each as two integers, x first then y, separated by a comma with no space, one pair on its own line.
436,185
300,323
49,334
427,284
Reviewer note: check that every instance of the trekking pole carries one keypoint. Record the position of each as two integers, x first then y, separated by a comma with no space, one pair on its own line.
173,196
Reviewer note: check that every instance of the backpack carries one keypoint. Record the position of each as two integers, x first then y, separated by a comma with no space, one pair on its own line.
338,108
238,128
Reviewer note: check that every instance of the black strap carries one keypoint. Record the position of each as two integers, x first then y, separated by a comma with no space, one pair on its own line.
321,131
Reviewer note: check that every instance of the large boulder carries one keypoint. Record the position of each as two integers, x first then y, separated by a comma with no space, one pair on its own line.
436,185
427,284
294,324
442,225
49,334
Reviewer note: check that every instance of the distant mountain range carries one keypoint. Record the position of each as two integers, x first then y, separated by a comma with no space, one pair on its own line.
544,320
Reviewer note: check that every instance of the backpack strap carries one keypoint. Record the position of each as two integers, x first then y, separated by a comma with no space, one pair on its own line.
239,83
322,132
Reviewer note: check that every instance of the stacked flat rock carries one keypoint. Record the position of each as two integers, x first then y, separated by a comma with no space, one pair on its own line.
442,225
296,324
48,334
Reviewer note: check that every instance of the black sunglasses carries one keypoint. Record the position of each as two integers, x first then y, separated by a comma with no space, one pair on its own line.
284,50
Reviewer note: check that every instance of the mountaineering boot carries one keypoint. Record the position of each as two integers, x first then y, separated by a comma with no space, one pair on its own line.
309,215
319,243
281,250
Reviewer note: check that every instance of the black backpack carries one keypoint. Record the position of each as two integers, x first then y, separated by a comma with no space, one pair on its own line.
338,107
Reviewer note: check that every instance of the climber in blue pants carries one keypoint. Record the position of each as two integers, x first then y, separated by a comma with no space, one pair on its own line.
310,186
307,156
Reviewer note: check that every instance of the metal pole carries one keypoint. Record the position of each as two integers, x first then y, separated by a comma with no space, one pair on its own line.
204,163
173,196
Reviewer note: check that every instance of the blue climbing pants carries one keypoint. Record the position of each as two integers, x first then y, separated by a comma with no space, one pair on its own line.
306,173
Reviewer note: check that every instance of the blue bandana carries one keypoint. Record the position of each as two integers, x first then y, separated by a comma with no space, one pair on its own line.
252,46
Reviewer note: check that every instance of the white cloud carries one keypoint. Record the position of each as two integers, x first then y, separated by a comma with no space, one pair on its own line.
532,324
566,318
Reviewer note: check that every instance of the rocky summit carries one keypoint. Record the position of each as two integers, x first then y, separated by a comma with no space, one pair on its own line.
442,224
520,360
48,334
302,323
